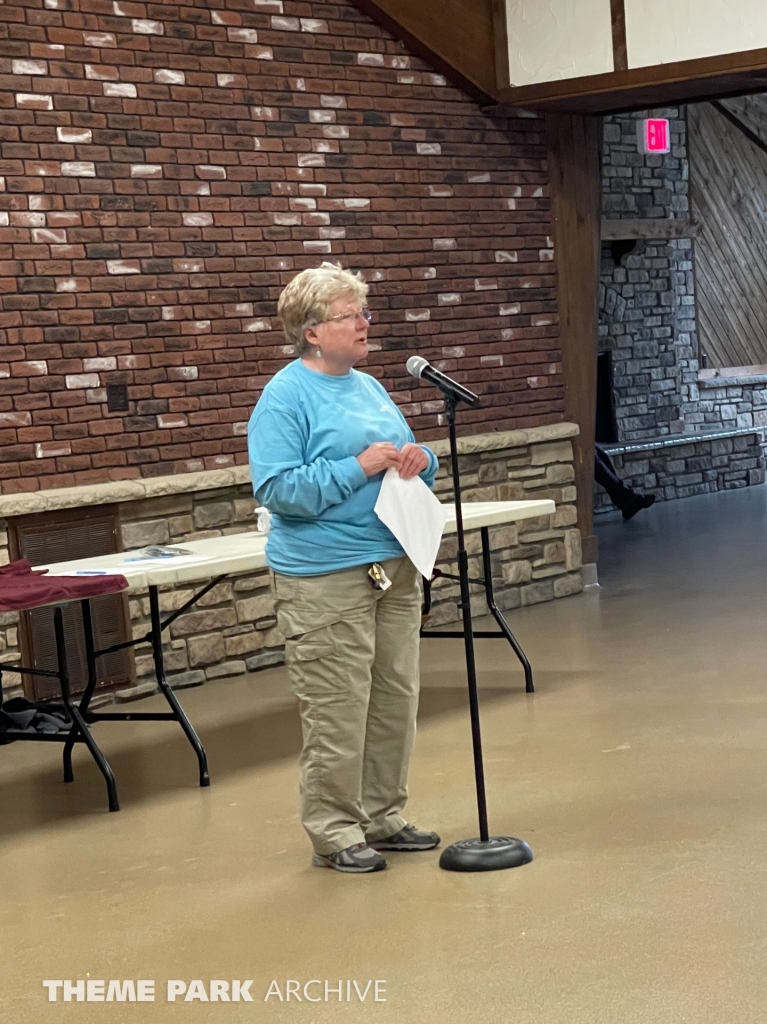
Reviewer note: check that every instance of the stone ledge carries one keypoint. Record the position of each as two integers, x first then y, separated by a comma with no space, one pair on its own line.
208,480
120,490
715,379
506,439
672,441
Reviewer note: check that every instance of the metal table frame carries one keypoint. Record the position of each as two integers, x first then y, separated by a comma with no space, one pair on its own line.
504,632
80,714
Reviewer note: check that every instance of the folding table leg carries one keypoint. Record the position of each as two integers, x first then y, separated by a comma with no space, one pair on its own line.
496,613
90,661
159,665
79,726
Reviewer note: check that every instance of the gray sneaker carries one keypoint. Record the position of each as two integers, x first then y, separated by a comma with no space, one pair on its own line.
407,840
355,860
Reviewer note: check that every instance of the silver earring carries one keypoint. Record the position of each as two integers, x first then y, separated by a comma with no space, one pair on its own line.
318,353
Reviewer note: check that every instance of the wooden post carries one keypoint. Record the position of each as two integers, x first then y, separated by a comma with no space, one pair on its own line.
574,142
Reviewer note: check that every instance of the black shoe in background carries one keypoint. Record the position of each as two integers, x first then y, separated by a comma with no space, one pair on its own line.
637,503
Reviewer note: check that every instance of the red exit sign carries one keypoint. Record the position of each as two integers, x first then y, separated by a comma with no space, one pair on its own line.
654,135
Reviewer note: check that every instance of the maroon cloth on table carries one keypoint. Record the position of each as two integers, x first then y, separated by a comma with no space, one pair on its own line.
22,587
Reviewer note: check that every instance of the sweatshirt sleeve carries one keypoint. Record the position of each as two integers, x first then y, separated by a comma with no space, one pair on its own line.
428,474
282,481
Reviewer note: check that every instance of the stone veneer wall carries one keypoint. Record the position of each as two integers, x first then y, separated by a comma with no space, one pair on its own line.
535,560
734,399
647,299
233,629
688,468
648,323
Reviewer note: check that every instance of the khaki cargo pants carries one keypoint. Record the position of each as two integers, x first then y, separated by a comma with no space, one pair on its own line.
352,656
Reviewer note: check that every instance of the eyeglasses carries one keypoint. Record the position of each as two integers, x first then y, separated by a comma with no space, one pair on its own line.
354,315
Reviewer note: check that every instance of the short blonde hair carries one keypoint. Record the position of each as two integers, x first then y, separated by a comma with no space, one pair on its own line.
305,301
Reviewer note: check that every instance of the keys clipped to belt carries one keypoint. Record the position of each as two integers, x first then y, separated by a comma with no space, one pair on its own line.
378,578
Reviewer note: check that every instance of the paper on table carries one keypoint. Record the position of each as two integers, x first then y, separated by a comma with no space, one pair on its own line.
414,516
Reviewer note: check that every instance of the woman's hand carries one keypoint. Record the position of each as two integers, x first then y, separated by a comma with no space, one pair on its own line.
378,457
412,461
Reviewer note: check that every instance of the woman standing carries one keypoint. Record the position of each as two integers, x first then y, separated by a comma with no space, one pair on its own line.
348,600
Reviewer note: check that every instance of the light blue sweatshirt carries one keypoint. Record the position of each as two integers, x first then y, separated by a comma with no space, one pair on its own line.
304,437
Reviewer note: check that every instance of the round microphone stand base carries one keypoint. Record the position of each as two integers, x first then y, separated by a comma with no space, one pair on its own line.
496,853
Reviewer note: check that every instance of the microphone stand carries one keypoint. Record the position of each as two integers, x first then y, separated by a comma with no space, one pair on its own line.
486,853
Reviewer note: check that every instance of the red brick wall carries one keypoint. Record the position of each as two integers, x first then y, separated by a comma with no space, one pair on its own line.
166,168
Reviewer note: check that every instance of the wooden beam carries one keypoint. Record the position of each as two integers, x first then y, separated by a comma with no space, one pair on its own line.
574,144
456,37
732,74
501,40
742,127
466,41
662,227
620,47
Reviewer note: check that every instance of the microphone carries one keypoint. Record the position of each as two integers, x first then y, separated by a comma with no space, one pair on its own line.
418,367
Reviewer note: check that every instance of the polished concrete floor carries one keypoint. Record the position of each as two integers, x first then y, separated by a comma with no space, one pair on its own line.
637,772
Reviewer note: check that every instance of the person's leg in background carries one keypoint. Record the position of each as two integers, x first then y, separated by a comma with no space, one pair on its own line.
627,500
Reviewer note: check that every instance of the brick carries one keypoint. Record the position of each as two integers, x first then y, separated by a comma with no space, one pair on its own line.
211,171
47,236
52,449
99,39
99,364
29,67
157,210
242,35
147,27
33,101
101,73
15,419
78,169
166,76
197,219
125,89
82,380
80,136
123,267
31,368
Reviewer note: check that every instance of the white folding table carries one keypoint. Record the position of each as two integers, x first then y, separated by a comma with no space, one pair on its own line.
215,558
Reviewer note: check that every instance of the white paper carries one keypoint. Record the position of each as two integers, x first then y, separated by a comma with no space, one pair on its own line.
414,516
